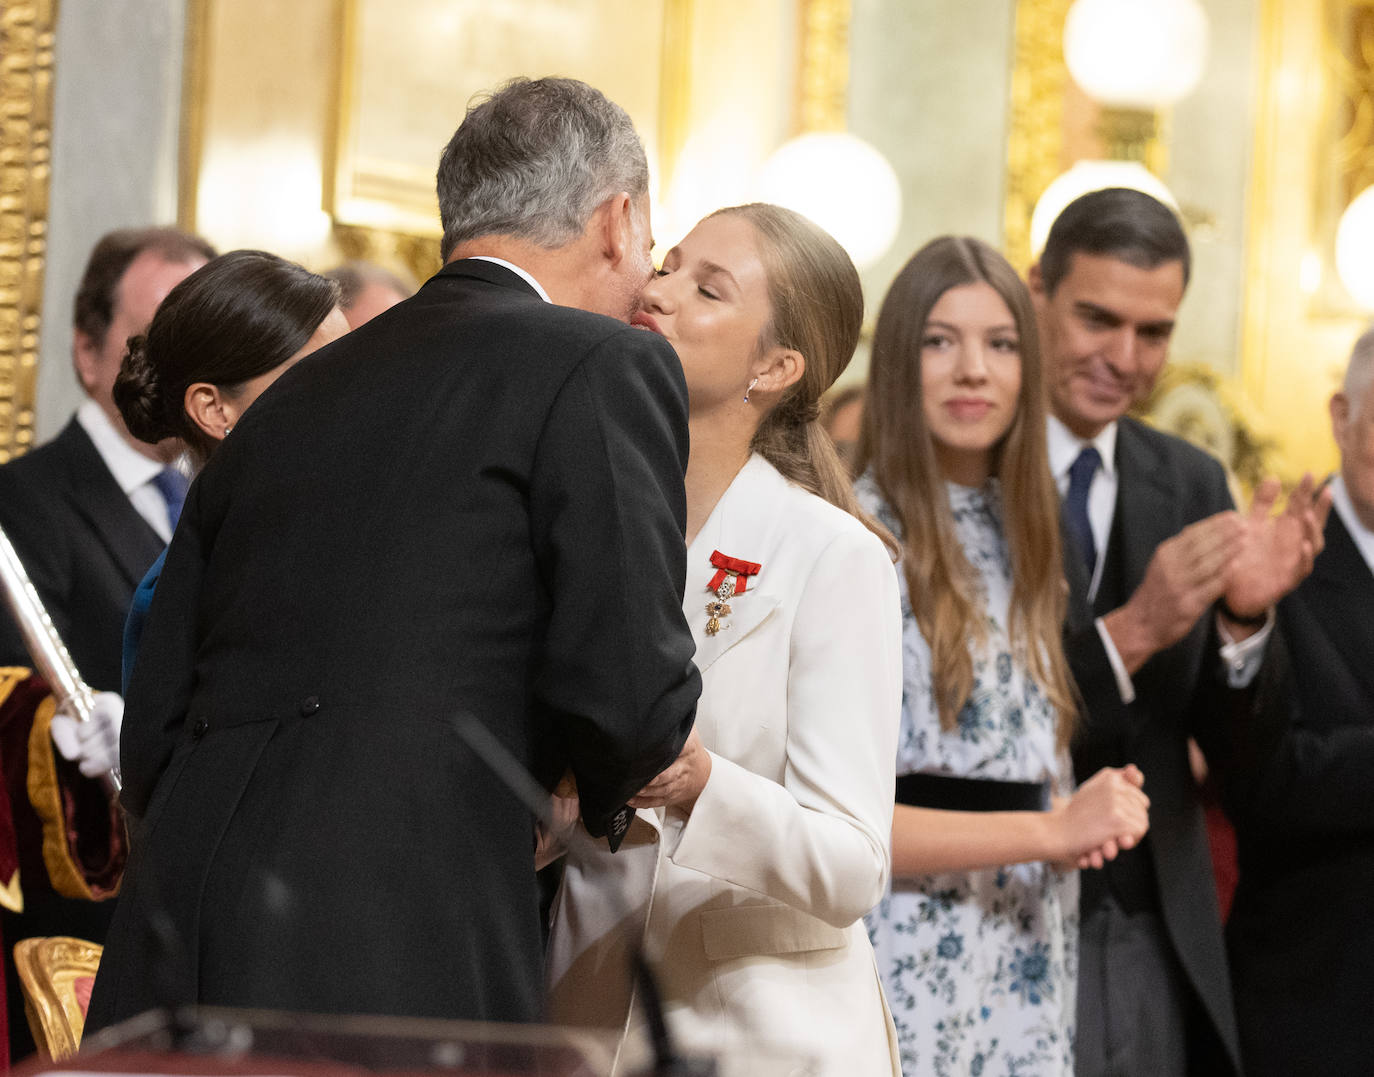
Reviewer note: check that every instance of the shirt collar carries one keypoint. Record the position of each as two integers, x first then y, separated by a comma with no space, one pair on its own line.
130,468
1064,447
1345,508
522,274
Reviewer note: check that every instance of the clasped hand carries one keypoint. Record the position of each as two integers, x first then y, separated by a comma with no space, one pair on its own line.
1108,814
681,782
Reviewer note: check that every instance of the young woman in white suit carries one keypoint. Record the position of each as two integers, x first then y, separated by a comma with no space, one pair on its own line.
752,860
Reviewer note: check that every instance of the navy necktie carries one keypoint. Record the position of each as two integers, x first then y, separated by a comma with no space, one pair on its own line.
1081,473
172,485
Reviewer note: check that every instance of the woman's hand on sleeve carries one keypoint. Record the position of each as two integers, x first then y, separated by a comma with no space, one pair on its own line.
1107,815
680,783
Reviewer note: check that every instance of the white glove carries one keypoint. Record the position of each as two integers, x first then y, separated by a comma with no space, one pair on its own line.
92,745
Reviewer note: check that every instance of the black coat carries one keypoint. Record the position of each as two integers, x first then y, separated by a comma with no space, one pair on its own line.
1301,933
84,545
473,504
1164,484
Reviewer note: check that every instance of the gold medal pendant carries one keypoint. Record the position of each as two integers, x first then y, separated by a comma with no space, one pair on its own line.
719,606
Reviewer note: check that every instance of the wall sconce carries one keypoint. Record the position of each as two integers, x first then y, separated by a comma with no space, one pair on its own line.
834,178
1084,178
1135,58
843,184
1355,249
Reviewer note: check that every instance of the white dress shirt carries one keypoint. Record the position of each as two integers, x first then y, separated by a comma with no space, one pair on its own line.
522,274
1242,658
1345,509
131,469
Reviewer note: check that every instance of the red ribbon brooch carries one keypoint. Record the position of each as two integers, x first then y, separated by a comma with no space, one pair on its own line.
731,578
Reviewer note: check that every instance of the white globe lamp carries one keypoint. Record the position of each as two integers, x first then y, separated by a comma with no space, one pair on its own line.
1136,54
841,183
1084,178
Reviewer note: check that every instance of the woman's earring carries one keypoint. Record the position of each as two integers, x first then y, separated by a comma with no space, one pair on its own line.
750,389
226,430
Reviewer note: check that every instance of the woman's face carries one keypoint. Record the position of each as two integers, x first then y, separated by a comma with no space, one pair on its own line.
710,302
970,379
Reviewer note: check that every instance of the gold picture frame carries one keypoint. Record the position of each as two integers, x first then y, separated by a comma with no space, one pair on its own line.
27,32
384,149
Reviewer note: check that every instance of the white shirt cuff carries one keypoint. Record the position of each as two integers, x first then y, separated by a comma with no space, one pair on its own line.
1123,679
1244,657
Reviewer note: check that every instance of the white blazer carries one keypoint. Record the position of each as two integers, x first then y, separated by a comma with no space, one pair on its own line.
750,908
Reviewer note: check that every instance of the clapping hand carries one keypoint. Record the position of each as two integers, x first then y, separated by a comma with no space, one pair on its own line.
1276,551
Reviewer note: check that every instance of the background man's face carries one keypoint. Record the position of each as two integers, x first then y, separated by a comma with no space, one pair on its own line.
1352,422
1105,337
144,285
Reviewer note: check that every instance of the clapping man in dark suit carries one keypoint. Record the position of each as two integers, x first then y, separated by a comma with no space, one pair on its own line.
87,513
470,509
1171,607
1301,794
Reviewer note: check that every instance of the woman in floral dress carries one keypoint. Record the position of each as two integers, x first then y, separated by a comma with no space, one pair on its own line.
977,937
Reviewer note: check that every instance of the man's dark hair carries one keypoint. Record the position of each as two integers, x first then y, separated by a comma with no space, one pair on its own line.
535,160
93,310
1118,222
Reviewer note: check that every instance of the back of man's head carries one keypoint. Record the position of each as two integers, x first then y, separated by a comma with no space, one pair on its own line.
534,161
1118,223
93,309
1359,373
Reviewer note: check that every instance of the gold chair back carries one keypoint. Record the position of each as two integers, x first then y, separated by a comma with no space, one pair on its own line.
56,974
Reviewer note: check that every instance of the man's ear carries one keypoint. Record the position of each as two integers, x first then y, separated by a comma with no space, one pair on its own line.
778,369
1339,407
1035,280
85,358
617,226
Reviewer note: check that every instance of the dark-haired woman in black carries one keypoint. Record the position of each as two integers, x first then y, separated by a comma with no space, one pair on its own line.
219,339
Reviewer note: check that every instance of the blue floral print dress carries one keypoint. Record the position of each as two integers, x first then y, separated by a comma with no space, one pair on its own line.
980,967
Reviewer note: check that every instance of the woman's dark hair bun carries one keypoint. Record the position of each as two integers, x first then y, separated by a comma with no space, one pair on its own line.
138,393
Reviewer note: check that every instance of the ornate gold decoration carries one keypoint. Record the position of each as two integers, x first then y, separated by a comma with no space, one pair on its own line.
49,969
719,606
823,74
1350,59
191,146
26,80
675,88
1035,136
1196,403
419,254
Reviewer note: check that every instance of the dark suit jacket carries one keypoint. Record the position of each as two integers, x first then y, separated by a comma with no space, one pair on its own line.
472,505
1165,484
83,544
1301,932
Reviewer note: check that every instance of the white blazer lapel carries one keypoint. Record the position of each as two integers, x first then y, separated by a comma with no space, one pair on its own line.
742,525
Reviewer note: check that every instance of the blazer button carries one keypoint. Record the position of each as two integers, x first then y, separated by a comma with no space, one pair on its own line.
199,729
309,705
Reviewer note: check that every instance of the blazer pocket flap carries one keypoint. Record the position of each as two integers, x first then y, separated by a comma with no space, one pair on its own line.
749,930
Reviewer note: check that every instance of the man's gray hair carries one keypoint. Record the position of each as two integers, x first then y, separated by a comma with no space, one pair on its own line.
1359,373
534,160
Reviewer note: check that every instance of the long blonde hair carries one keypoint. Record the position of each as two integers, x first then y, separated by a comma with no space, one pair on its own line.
897,447
817,309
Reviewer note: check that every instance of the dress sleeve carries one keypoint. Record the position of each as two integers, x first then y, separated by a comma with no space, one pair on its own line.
607,513
818,842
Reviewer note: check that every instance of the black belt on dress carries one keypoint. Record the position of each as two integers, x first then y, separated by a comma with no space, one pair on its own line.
971,794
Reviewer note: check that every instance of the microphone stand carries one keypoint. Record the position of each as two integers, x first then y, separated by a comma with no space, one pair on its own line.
668,1061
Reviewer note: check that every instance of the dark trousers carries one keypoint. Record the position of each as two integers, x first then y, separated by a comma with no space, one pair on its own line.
1134,1002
